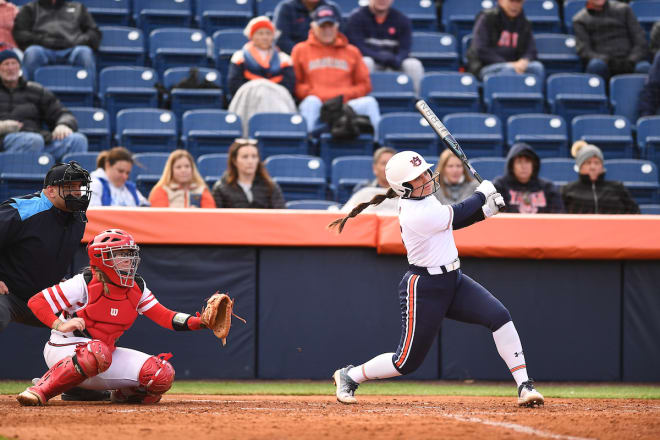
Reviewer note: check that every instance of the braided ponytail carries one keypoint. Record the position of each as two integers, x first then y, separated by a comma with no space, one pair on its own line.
376,200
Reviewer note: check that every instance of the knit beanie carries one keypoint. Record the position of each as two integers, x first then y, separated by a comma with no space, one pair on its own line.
257,23
6,54
582,151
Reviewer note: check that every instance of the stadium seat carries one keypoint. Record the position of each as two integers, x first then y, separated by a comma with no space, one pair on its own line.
543,14
225,43
479,134
421,13
184,99
311,204
212,15
653,209
465,45
572,7
436,51
267,7
279,133
95,124
212,166
557,53
147,170
489,167
176,47
87,159
612,134
506,95
547,134
458,16
299,176
146,130
574,94
393,91
120,46
127,87
648,138
559,170
451,92
407,131
647,13
152,14
23,173
639,176
209,131
330,148
624,94
348,171
109,13
72,85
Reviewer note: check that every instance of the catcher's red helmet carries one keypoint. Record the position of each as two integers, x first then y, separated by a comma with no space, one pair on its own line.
115,253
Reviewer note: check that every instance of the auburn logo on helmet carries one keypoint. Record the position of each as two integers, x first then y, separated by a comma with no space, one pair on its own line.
416,161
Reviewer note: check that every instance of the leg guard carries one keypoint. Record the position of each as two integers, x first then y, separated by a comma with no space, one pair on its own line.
89,360
155,378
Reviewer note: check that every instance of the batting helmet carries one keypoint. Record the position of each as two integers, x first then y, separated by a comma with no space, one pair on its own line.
115,253
404,167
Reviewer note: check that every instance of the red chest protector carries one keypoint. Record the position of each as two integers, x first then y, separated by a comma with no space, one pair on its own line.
107,317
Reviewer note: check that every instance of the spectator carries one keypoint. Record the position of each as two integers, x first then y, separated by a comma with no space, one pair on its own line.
609,39
456,183
523,190
591,193
110,184
56,32
26,107
381,157
327,66
654,38
293,17
181,185
503,42
365,192
261,77
384,36
8,12
649,96
246,183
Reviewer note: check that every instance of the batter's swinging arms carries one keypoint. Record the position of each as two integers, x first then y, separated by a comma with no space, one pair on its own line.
435,286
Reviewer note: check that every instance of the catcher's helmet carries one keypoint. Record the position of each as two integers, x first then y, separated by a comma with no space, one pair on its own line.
115,253
404,167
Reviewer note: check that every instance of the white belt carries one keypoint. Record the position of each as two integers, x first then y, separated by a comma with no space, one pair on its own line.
456,264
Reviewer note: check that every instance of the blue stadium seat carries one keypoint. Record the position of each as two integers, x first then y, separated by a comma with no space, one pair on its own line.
653,209
176,47
144,130
152,14
574,94
465,45
330,148
72,85
451,92
393,91
489,167
110,13
212,15
212,166
436,51
311,204
648,138
458,16
507,95
225,43
95,124
543,14
547,134
23,173
267,7
120,46
183,99
421,13
147,170
639,176
559,170
647,13
407,131
279,133
624,94
479,134
300,177
127,87
209,131
557,53
348,171
612,134
572,7
87,160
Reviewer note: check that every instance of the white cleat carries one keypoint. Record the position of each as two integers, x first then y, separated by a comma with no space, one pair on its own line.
528,396
345,386
29,398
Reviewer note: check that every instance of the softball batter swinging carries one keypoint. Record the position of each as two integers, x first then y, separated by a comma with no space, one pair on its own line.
434,286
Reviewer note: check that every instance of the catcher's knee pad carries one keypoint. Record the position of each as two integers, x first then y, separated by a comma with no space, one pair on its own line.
93,357
156,375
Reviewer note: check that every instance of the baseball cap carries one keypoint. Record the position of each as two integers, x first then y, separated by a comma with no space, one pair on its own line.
325,14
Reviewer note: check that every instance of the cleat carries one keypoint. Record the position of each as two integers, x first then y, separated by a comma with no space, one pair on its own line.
31,397
528,396
77,394
345,385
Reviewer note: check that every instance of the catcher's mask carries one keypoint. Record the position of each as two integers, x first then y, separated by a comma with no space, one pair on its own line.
406,166
115,253
73,184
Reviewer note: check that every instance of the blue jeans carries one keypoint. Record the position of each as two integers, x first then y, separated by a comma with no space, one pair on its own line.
310,108
599,67
534,67
27,141
37,56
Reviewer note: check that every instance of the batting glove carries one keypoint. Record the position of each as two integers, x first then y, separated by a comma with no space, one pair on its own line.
494,203
486,188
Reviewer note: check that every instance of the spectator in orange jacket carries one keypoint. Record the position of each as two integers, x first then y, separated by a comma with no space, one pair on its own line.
326,66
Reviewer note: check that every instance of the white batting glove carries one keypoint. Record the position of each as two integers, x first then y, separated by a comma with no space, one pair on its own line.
494,203
486,188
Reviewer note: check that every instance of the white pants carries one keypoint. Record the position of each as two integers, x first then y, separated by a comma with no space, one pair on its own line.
123,372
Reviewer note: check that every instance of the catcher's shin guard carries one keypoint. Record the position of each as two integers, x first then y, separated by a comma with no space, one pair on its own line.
155,378
89,360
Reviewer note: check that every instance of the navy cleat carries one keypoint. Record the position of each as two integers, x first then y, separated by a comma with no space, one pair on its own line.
528,396
345,385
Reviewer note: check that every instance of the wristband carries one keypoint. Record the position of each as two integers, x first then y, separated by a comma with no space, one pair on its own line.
57,326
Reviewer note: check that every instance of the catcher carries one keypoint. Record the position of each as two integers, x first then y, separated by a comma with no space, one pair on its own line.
95,308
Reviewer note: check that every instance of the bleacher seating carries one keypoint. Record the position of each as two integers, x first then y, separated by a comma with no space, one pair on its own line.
348,171
266,7
557,53
647,13
479,134
212,15
547,134
279,133
209,131
574,94
127,87
225,43
506,95
176,47
393,91
87,160
311,204
407,131
489,167
612,134
559,170
72,85
299,176
112,13
653,208
346,6
144,130
543,14
23,173
329,148
572,7
451,92
648,138
184,99
212,166
639,176
624,94
422,14
458,16
147,170
152,14
120,46
436,51
95,124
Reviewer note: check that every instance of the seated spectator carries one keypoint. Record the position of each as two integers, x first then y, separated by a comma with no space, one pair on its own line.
456,183
521,187
364,192
327,66
503,42
292,19
26,108
8,12
110,184
246,183
609,39
381,157
261,77
591,193
181,185
384,36
649,96
56,32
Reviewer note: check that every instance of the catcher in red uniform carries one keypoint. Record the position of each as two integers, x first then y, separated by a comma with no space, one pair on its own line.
95,308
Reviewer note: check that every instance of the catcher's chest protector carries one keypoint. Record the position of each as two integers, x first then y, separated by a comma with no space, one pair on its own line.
107,318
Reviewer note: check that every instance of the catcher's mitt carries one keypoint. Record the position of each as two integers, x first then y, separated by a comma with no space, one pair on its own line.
217,315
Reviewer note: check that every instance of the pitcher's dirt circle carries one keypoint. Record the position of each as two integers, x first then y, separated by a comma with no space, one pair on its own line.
194,417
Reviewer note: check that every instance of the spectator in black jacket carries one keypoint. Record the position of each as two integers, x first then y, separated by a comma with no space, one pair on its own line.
591,193
56,32
26,107
649,96
609,39
521,187
293,17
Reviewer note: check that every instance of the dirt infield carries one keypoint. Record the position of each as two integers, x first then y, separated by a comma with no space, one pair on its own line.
194,417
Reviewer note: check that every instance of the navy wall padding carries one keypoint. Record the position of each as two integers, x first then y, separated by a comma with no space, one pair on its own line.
321,309
641,321
567,314
23,351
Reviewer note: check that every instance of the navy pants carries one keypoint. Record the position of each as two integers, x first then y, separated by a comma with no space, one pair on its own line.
13,308
427,299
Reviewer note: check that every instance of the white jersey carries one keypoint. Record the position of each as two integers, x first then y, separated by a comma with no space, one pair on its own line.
427,233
